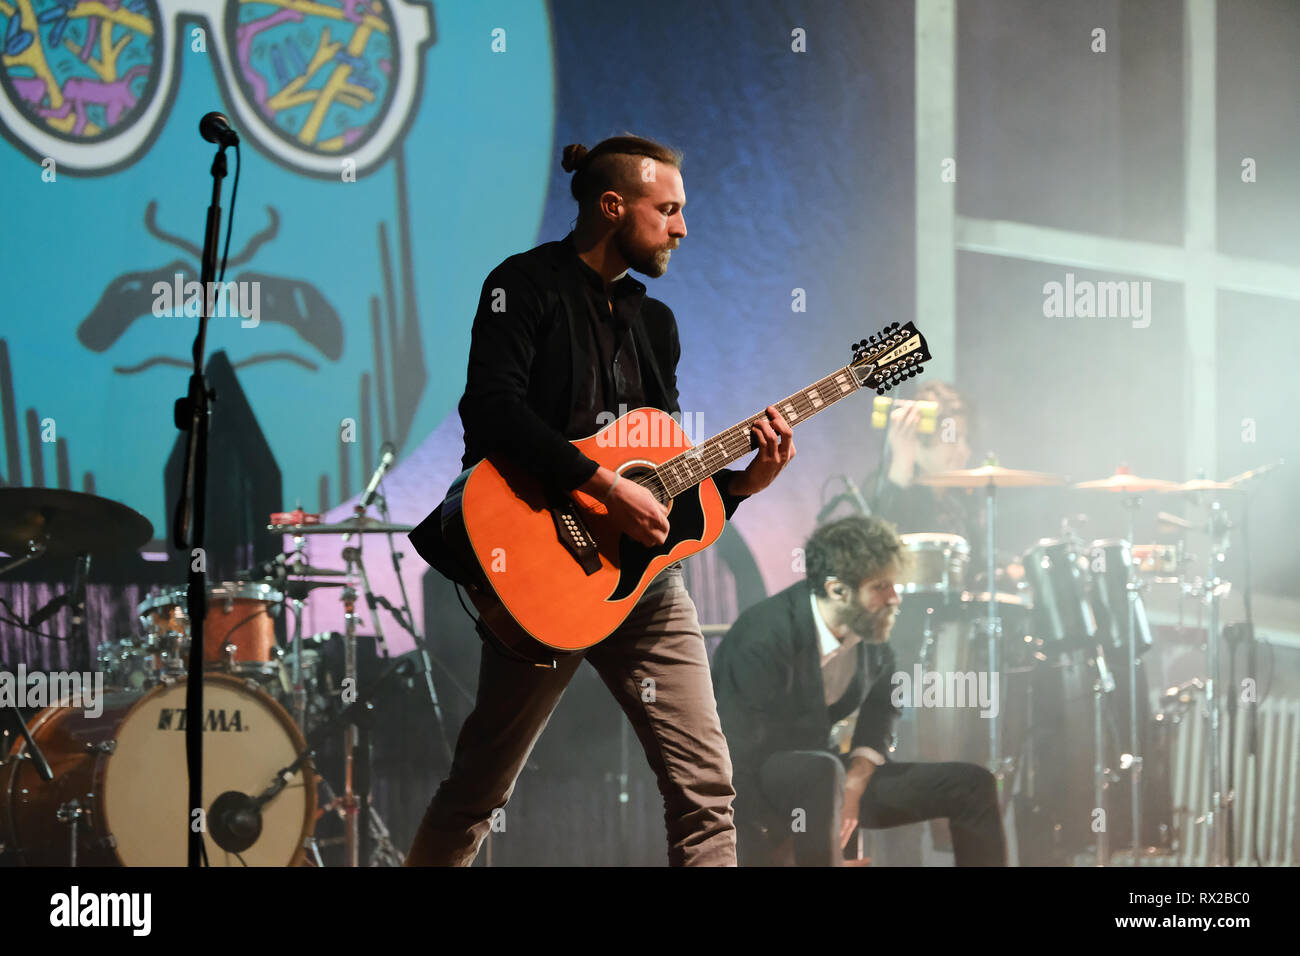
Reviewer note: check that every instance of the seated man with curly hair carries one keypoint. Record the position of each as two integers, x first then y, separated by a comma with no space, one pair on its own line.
799,662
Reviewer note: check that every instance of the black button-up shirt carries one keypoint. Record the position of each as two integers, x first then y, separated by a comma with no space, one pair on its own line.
612,381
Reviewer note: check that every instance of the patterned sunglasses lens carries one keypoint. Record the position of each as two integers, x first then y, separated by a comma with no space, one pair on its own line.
320,75
82,75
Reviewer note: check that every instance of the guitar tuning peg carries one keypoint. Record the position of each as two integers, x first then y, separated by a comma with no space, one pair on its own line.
893,327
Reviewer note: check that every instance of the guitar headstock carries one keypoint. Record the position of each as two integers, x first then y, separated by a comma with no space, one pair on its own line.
892,355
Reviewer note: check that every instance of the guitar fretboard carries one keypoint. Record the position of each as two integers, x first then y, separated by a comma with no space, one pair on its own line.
708,457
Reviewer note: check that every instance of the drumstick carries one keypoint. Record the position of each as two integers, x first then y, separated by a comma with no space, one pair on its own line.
880,412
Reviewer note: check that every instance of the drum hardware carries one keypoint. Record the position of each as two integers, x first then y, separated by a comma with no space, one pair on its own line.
383,852
1103,685
990,476
1131,486
1214,590
354,802
71,813
362,524
350,802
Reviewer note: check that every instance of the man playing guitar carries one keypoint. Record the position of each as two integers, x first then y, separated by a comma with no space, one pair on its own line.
562,334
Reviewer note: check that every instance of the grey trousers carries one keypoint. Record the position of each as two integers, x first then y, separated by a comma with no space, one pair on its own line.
657,668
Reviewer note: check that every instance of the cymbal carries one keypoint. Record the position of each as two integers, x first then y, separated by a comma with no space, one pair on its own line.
68,522
987,475
1124,483
1201,484
362,525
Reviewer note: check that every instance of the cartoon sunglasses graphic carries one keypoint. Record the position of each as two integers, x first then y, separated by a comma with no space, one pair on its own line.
312,82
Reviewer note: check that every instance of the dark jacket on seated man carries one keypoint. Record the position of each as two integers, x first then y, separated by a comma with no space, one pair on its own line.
767,677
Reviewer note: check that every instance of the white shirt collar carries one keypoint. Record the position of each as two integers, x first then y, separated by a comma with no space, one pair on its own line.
825,639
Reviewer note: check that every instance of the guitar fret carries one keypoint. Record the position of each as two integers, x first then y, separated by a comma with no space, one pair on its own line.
692,466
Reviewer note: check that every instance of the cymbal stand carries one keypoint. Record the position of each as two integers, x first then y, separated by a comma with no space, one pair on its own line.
1102,685
1213,593
351,839
299,686
34,550
352,556
1131,505
407,620
1000,766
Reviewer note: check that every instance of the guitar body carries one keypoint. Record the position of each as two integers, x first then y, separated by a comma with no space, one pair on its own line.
535,589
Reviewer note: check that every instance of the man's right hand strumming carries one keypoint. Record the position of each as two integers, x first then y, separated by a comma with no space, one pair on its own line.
635,511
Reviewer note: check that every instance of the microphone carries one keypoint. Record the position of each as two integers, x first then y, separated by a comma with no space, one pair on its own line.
385,462
77,602
49,609
235,821
215,128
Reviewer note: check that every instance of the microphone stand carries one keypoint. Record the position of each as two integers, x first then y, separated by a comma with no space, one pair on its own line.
33,752
407,622
190,415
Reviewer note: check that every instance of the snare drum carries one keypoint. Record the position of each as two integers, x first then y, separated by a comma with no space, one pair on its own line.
124,774
935,562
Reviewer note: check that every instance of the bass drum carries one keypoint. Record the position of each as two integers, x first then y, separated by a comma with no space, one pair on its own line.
124,773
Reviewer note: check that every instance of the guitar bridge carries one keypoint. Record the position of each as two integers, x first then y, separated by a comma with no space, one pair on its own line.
573,534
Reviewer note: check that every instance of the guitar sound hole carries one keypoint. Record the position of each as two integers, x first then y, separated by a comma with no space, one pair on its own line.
646,478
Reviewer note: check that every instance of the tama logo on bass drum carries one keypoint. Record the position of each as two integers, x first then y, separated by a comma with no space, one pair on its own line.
220,720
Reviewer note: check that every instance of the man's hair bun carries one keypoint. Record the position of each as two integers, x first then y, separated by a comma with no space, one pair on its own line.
573,154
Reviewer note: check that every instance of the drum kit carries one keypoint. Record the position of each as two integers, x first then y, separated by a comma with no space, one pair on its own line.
1064,626
109,789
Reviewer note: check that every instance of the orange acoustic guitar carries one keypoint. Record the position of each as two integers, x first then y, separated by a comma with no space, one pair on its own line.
554,575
